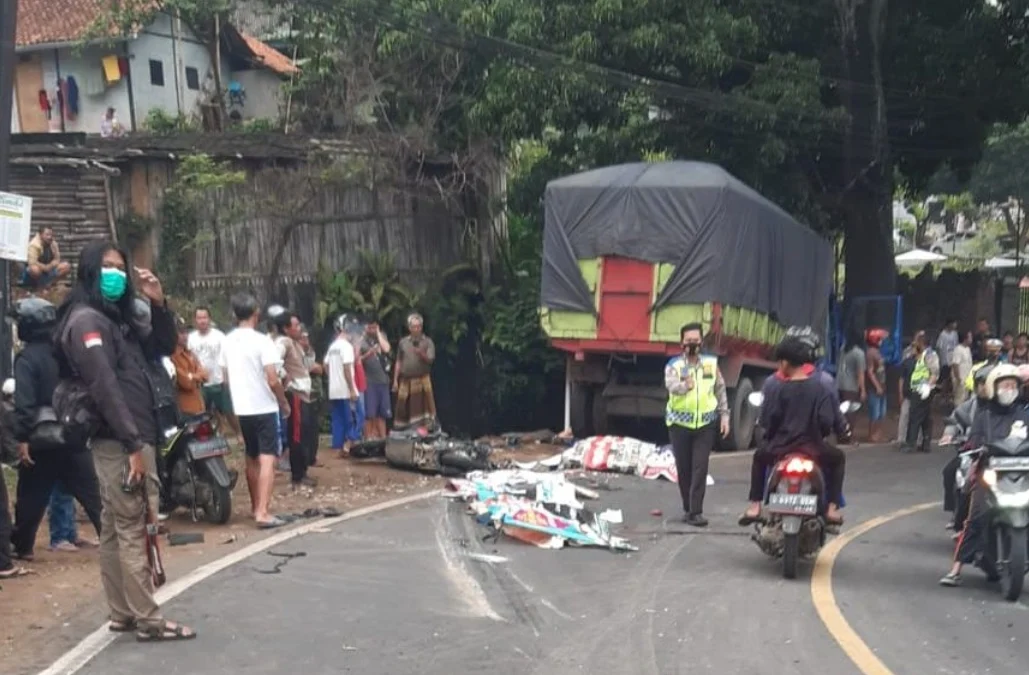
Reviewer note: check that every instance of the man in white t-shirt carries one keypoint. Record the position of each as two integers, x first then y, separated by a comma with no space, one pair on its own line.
343,394
249,364
206,343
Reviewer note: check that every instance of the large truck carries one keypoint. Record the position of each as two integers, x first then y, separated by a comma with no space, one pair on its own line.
632,253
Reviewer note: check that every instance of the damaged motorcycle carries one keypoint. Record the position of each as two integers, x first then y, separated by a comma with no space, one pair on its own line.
793,524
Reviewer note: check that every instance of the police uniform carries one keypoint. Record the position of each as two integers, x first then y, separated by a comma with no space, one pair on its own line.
920,416
693,415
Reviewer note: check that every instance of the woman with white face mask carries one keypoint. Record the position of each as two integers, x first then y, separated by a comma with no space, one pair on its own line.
1001,416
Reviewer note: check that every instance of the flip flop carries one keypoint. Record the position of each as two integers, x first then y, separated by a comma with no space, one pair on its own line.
165,631
15,572
271,524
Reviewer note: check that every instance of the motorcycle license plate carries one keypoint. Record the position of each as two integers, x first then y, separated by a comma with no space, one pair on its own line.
1010,463
791,503
213,447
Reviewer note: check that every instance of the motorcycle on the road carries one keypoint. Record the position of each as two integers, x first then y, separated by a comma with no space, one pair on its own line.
793,524
193,470
957,427
1005,473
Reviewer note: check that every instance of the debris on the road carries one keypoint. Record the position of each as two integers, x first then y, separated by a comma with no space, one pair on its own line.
486,557
618,454
538,508
657,513
285,558
183,538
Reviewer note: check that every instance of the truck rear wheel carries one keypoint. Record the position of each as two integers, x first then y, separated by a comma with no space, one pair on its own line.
582,409
743,417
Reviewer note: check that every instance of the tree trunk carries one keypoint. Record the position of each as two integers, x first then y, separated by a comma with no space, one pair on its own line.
866,202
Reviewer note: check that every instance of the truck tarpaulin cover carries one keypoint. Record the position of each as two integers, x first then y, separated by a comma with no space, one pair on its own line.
728,243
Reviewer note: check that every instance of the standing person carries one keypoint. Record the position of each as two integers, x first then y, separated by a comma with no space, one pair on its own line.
361,382
206,343
945,344
982,334
921,383
697,410
190,376
851,378
44,265
298,389
875,384
8,570
101,351
961,367
339,367
374,347
43,468
311,422
412,376
250,363
1008,348
1020,354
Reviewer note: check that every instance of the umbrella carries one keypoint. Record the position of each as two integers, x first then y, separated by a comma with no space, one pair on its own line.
918,256
994,263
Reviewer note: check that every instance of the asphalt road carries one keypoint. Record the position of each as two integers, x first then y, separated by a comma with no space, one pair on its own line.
407,592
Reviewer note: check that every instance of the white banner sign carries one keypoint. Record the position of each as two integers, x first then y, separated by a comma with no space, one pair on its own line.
15,226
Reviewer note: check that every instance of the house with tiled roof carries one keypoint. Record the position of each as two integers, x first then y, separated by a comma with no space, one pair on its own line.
66,78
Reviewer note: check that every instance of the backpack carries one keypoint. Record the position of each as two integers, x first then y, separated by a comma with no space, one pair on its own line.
73,405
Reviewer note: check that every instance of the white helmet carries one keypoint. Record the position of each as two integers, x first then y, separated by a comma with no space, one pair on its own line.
8,389
1004,371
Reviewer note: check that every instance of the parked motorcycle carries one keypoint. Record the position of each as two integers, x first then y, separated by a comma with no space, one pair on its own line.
1006,475
193,470
793,516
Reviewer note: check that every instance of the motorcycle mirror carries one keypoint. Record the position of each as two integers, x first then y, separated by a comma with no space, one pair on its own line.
756,399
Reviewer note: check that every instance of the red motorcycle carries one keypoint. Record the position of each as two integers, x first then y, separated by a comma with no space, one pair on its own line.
793,522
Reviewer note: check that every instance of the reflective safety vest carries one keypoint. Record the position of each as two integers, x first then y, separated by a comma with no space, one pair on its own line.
970,380
920,375
698,407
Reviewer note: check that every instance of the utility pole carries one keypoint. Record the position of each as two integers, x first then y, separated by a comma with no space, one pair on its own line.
8,40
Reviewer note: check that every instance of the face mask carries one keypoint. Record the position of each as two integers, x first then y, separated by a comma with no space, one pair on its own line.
1006,397
691,348
112,284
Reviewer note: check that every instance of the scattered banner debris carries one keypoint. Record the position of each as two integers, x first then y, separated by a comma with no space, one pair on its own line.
538,508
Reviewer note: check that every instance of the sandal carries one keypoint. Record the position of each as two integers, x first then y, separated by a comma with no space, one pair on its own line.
164,631
749,519
951,580
122,625
15,572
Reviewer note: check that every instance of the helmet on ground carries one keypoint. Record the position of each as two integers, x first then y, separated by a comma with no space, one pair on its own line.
36,318
1004,371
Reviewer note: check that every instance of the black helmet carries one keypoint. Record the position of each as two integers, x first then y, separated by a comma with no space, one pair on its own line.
35,318
800,342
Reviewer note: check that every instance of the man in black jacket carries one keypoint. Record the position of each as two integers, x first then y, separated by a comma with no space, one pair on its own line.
102,350
40,469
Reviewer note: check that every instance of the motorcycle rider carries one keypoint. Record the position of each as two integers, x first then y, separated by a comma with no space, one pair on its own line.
994,347
997,419
799,415
966,410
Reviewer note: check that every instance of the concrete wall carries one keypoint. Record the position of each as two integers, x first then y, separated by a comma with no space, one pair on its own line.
156,43
264,94
94,95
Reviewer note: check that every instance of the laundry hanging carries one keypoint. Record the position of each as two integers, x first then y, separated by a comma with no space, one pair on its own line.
112,72
44,104
71,97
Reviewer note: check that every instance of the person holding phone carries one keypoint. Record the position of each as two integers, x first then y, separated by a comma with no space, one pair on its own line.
374,347
412,379
102,352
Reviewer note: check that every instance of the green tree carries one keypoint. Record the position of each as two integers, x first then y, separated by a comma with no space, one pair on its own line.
1002,177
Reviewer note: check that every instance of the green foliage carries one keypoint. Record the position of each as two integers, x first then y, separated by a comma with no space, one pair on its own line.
185,205
373,289
260,125
159,122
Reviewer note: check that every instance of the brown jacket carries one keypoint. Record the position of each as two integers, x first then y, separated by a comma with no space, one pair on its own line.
188,382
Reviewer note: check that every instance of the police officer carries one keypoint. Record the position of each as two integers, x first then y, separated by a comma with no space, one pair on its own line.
100,350
921,384
697,410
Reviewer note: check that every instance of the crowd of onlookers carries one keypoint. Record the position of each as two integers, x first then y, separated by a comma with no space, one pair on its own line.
861,375
99,380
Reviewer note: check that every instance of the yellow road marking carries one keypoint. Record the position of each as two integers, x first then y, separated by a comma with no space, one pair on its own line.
825,601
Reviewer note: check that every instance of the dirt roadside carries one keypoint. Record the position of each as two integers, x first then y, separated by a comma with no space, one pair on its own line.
47,613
